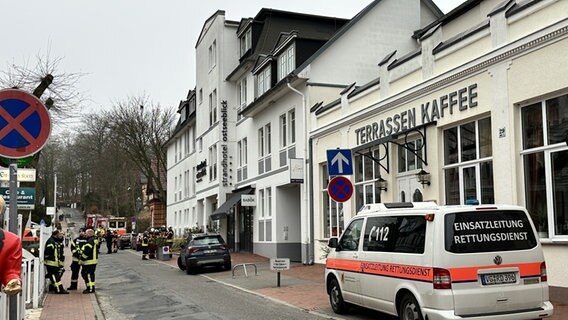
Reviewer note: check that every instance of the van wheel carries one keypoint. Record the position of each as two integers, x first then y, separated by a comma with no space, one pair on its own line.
409,308
336,298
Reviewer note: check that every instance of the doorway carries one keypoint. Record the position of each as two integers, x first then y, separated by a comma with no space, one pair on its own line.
246,230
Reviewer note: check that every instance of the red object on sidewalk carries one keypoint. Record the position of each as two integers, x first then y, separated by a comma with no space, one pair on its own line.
10,257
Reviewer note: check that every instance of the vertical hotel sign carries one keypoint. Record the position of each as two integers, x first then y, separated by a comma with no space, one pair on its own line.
224,145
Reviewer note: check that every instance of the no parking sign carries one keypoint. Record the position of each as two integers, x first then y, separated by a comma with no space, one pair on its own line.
340,189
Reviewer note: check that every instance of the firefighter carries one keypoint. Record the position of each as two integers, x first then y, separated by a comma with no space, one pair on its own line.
76,245
108,239
170,237
144,245
10,258
53,260
89,261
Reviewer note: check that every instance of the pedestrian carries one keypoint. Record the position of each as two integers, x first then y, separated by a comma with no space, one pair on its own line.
144,245
89,261
53,260
76,245
108,238
10,258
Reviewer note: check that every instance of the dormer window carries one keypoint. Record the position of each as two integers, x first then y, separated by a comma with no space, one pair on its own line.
286,62
263,81
246,41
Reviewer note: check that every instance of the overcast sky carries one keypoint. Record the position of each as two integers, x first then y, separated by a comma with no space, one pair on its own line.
133,47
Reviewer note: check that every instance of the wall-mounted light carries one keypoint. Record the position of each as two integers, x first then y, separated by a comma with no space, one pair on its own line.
382,183
423,177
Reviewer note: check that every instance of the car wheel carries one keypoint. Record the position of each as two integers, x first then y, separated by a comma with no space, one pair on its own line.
227,266
409,308
180,264
336,298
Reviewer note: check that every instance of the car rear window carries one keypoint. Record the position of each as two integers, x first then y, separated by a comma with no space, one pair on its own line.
488,231
204,241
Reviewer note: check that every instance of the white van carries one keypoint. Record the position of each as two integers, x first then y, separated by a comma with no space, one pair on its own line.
424,261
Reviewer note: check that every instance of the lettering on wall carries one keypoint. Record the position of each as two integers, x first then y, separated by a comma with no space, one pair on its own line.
201,170
459,100
224,145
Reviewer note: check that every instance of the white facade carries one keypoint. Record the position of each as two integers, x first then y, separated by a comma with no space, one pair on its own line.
486,97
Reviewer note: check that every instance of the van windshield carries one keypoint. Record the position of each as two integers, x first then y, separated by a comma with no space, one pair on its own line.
488,231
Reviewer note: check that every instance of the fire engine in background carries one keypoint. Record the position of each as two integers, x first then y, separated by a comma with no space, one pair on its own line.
117,224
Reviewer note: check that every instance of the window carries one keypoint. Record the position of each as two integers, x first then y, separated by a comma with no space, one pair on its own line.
545,155
510,231
212,54
407,160
175,151
245,41
200,96
241,97
264,149
199,144
213,107
263,81
180,187
367,174
286,62
350,239
287,137
213,163
333,219
468,170
265,214
242,160
175,187
405,234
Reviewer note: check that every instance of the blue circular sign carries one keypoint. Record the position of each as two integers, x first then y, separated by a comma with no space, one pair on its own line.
340,189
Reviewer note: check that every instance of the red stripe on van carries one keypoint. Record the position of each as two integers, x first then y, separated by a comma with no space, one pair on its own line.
471,273
411,272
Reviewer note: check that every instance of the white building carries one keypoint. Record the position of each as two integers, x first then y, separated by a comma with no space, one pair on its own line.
479,112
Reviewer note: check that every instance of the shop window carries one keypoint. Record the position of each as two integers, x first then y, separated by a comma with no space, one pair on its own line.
545,161
333,219
367,174
468,170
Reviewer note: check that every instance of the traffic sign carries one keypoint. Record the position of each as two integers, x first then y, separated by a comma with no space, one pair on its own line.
24,124
340,189
339,162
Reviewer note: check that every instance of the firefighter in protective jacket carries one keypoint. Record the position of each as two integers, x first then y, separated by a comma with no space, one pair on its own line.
53,260
89,261
76,245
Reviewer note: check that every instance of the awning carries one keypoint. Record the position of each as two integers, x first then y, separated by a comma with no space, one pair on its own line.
231,202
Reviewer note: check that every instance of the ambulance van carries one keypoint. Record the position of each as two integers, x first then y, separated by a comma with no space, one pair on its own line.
424,261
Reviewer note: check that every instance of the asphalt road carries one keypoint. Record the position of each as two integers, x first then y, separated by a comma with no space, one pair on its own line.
129,288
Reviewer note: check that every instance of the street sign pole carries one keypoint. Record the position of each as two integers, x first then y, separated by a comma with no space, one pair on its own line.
13,224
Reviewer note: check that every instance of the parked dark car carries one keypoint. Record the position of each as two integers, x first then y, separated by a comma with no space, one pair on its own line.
204,250
124,241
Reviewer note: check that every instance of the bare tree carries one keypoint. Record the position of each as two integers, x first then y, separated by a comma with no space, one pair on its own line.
142,128
58,90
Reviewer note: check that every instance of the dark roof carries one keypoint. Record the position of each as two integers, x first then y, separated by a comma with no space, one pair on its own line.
403,59
520,6
269,24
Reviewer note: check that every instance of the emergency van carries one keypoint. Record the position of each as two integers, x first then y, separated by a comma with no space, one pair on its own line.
424,261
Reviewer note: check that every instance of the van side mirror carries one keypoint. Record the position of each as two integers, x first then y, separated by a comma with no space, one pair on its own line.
333,243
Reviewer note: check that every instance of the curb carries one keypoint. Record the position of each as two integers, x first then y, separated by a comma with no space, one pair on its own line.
99,315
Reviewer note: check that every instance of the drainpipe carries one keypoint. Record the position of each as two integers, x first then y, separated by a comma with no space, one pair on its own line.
307,242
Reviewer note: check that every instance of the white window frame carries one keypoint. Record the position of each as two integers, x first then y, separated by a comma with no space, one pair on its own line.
212,55
264,80
245,42
242,159
286,62
213,162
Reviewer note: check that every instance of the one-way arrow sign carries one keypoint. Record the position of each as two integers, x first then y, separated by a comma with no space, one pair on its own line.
339,162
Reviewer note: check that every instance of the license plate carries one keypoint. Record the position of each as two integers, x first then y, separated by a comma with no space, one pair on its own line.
209,251
498,278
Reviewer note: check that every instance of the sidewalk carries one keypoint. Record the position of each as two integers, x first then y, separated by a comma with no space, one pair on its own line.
302,287
72,306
